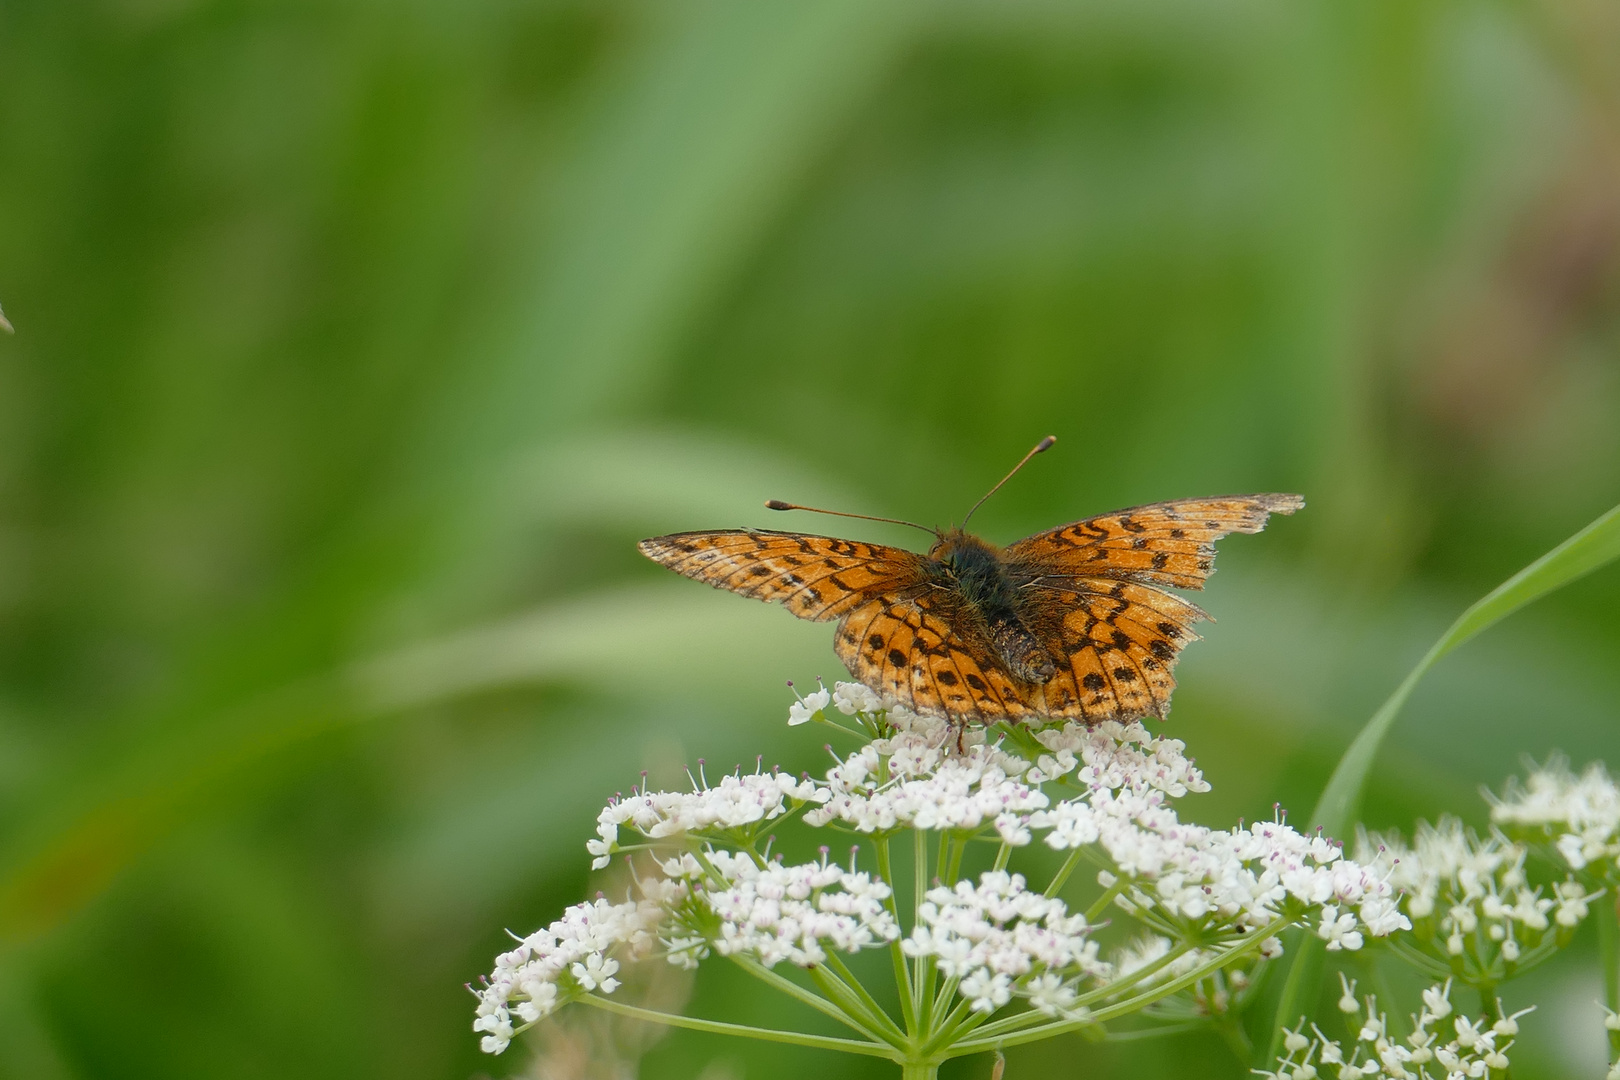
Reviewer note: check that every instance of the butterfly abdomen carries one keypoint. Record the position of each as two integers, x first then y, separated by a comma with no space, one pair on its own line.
1023,655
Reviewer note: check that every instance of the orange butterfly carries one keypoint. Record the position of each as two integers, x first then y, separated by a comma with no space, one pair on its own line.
1067,623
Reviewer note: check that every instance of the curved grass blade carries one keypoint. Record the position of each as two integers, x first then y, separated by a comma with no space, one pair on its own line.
1593,547
1586,551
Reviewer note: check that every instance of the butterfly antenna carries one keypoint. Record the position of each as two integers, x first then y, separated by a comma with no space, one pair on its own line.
778,504
1040,447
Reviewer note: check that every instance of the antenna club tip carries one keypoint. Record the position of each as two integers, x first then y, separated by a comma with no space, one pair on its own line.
777,504
1045,444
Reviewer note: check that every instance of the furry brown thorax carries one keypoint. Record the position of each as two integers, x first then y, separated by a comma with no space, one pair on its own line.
979,571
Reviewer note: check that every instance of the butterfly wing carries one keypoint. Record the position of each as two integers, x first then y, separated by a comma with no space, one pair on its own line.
816,577
922,650
909,640
1168,543
1116,643
1091,598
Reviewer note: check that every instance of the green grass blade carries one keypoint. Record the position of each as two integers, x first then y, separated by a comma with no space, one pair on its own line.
1593,547
1586,551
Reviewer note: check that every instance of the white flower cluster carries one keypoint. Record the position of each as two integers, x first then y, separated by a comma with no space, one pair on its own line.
723,901
1116,757
1242,876
567,958
1002,940
1104,788
914,777
1579,815
776,912
1474,1048
1469,898
738,801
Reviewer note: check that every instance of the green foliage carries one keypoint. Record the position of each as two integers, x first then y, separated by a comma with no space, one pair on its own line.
1338,810
355,347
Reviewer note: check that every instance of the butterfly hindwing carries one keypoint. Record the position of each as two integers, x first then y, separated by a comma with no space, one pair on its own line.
912,651
815,577
1117,642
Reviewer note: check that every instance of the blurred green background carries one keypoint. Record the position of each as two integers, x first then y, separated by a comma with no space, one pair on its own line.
357,343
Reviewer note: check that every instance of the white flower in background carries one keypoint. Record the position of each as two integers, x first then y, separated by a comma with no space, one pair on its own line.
1470,900
1347,996
1444,1046
1579,815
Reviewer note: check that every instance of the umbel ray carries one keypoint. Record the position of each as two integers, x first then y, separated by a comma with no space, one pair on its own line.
1072,623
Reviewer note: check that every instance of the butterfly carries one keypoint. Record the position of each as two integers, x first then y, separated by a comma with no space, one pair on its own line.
1071,623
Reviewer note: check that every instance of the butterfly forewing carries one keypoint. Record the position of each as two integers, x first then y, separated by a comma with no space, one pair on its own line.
1168,543
815,577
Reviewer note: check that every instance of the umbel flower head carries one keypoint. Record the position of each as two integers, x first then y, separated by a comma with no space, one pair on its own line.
1579,816
1475,913
1443,1044
984,956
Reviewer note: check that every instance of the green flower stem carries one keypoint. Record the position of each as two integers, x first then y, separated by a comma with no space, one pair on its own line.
1398,1025
1003,853
847,1000
717,878
902,972
1420,960
1062,876
1095,910
719,1027
948,1029
1129,1005
951,847
919,1070
821,719
961,1023
873,1010
953,870
942,1000
1143,1034
927,972
1608,928
799,993
919,887
1490,1006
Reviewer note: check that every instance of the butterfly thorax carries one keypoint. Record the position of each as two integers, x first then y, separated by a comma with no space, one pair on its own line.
979,573
977,569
